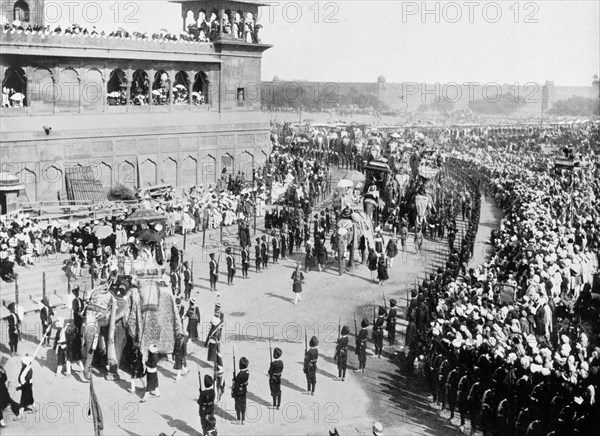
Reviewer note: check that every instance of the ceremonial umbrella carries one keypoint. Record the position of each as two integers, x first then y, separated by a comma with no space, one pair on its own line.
103,232
180,86
115,94
395,135
18,96
156,92
355,176
345,183
144,216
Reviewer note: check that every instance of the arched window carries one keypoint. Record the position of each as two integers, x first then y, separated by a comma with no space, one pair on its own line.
139,88
116,88
21,11
181,88
14,88
161,88
200,88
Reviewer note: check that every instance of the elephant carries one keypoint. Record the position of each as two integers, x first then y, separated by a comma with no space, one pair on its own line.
141,307
351,226
423,205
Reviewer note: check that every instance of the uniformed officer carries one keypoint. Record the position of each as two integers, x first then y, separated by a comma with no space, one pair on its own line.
264,255
245,261
230,266
361,345
378,332
310,365
390,325
257,255
275,371
240,390
213,269
341,353
275,244
206,401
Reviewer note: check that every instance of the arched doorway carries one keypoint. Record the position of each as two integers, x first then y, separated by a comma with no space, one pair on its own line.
140,85
116,88
14,88
181,88
209,170
147,173
200,89
29,180
21,11
161,88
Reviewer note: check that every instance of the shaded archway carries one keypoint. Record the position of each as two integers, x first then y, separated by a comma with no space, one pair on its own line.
161,88
116,88
52,182
140,85
14,88
181,88
200,88
21,11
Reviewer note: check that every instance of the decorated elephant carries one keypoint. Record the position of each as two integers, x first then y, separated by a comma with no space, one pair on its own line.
141,307
351,226
424,205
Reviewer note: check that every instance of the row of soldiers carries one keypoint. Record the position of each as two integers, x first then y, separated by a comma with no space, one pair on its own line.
212,387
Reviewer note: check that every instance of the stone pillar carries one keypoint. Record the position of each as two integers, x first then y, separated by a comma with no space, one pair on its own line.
129,78
151,74
191,76
29,78
55,81
171,83
221,14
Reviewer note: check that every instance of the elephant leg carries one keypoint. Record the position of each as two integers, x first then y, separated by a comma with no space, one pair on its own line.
91,335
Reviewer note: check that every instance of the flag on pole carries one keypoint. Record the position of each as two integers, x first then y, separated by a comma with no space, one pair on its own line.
95,410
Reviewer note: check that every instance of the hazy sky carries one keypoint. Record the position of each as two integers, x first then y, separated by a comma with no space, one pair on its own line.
351,41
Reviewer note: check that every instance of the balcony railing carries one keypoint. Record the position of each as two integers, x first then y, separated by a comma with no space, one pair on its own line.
54,40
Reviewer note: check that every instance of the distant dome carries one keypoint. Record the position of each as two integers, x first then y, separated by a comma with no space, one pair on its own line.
381,79
275,78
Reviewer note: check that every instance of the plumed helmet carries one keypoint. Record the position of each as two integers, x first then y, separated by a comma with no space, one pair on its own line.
314,341
364,322
381,311
243,363
393,303
208,381
345,330
277,353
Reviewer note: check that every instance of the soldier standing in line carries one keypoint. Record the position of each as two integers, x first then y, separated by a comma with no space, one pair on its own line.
230,266
188,280
341,354
310,365
206,401
213,338
283,244
245,261
378,332
275,371
275,243
361,345
240,390
390,325
257,255
264,255
213,268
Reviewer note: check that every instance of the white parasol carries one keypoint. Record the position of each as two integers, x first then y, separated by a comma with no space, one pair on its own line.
345,183
17,96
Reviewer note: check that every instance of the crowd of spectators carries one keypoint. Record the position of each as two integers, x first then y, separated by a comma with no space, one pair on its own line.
513,343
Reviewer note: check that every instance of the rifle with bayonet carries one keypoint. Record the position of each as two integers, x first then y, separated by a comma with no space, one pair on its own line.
384,301
234,375
270,351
